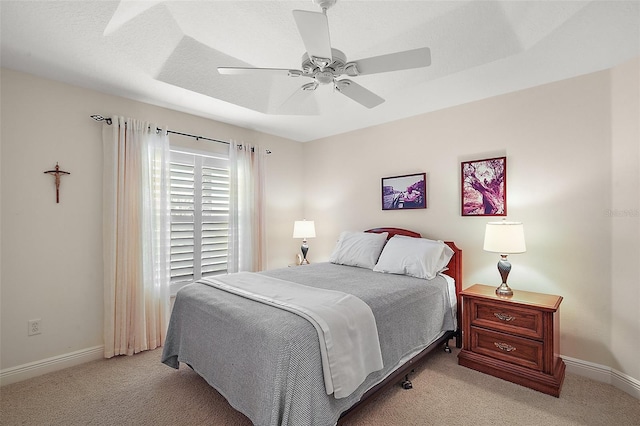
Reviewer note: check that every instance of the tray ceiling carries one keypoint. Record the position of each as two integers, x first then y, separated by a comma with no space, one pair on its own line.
166,53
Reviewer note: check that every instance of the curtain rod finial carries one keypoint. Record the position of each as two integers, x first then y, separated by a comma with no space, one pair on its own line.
99,117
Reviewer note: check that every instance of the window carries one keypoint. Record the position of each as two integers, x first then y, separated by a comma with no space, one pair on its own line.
199,216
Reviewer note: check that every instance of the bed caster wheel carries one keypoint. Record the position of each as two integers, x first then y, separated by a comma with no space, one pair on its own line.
406,383
447,349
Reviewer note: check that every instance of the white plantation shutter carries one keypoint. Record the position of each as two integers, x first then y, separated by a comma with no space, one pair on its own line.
182,220
199,217
215,218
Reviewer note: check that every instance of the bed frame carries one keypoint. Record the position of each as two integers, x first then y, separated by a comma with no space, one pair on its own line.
400,375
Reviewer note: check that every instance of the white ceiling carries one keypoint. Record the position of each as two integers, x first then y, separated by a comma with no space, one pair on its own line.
166,52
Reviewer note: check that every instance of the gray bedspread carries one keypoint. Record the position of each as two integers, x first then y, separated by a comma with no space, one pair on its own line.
266,361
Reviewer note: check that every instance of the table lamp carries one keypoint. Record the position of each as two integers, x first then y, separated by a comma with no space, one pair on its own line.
504,238
304,229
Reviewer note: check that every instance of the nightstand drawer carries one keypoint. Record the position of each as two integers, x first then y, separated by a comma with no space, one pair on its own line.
507,318
515,350
514,338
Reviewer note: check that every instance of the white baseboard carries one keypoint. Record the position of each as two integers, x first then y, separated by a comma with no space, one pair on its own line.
48,365
593,371
604,374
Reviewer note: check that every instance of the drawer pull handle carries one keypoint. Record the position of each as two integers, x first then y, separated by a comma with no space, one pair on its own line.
504,317
505,347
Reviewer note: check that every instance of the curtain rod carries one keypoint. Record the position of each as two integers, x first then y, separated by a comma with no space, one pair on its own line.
108,120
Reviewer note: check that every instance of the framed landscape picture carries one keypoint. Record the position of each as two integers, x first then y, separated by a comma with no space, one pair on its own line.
484,187
404,192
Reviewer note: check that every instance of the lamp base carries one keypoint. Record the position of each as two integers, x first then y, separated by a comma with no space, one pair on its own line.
504,267
304,248
504,290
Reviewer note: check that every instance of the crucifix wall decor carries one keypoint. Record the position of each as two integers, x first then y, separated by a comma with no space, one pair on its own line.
57,173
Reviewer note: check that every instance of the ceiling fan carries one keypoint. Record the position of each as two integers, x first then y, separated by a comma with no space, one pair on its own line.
326,65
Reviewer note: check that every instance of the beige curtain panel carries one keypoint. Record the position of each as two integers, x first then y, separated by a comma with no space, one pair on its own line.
136,231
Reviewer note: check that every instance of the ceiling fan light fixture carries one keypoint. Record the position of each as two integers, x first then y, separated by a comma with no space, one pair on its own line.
324,77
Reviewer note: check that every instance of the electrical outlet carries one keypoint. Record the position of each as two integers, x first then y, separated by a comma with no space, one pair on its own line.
35,327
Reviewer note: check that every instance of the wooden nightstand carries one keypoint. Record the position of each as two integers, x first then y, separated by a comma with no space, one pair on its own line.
515,338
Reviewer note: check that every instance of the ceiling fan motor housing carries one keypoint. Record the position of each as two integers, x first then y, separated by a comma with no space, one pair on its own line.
326,75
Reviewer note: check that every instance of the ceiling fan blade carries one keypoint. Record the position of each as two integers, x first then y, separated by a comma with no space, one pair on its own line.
301,102
264,71
358,93
314,30
416,58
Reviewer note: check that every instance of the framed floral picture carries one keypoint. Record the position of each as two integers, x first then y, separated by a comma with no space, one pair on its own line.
404,192
484,187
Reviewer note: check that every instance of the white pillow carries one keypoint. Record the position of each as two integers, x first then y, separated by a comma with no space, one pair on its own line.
416,257
360,249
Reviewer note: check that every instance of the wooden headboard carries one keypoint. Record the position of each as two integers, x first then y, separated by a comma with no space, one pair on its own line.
454,267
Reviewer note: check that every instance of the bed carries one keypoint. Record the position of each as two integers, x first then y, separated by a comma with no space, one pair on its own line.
265,360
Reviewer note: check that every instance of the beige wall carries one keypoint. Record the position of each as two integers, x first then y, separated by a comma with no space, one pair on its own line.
572,158
52,253
625,225
573,161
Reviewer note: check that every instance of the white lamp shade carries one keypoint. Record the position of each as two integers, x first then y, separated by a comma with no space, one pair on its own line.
304,229
504,237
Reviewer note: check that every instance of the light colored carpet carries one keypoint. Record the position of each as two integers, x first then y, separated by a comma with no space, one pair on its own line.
139,390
